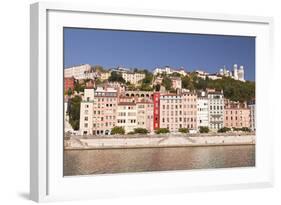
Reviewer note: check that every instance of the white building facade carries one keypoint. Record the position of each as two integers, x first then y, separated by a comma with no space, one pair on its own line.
86,113
216,110
78,72
127,116
202,110
252,107
133,78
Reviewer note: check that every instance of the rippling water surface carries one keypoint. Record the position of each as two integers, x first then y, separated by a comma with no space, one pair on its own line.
85,162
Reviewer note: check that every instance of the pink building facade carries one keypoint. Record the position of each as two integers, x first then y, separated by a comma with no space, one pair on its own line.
178,111
236,115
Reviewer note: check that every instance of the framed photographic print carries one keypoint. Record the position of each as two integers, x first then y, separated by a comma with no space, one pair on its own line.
128,102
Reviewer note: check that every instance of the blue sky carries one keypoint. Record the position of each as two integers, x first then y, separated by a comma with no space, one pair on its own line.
112,48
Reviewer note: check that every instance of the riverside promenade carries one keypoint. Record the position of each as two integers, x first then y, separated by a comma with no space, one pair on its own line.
162,140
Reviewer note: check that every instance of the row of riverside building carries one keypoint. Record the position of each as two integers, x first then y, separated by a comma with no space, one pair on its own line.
103,108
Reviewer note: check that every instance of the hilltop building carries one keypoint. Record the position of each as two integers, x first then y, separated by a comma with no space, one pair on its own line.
78,72
168,70
133,78
236,74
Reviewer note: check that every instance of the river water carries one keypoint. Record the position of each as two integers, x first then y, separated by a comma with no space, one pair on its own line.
87,162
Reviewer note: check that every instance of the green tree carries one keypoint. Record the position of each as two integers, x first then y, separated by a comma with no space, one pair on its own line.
183,130
116,77
187,83
162,131
69,92
140,131
117,130
74,112
224,129
157,87
245,129
203,129
145,87
98,68
167,82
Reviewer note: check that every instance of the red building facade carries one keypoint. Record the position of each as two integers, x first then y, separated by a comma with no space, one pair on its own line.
68,83
156,110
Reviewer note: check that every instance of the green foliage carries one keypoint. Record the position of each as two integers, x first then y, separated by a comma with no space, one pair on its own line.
234,90
74,112
243,129
167,82
162,131
224,129
176,75
117,130
145,87
146,83
203,129
131,87
157,87
116,77
183,130
98,68
140,131
131,133
79,87
187,83
69,92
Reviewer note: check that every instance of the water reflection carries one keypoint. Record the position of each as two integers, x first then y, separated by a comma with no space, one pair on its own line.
85,162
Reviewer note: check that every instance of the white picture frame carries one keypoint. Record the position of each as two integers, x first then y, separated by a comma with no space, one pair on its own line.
46,70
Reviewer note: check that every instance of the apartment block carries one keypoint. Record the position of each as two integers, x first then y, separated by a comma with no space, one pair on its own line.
145,114
133,78
127,116
87,113
236,114
216,109
178,111
202,109
98,111
78,72
69,83
252,107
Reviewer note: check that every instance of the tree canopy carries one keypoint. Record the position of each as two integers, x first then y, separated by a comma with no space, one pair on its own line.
116,77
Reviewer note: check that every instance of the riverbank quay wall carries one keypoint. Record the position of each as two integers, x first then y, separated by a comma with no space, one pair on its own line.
143,141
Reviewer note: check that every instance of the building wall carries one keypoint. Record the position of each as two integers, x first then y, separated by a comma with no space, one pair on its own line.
236,117
105,108
202,112
156,110
178,111
252,108
86,113
176,83
104,76
236,114
133,78
76,71
127,116
216,110
145,115
69,83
